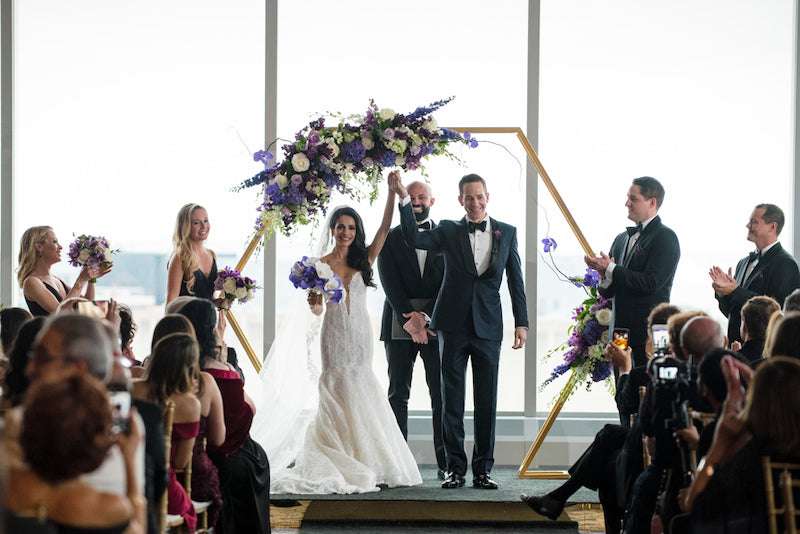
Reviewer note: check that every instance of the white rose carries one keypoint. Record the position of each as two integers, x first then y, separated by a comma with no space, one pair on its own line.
83,256
240,292
603,316
229,286
367,142
282,181
400,160
430,124
333,146
386,113
300,162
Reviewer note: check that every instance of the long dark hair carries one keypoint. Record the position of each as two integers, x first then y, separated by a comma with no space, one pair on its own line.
203,316
357,256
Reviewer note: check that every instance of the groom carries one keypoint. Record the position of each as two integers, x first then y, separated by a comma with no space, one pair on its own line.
468,318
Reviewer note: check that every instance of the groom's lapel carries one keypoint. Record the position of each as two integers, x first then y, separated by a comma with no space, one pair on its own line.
495,237
462,235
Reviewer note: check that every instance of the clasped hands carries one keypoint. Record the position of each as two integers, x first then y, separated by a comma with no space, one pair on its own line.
417,327
599,263
721,282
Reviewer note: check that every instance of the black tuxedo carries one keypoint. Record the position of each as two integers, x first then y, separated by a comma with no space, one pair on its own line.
468,318
776,275
641,280
400,276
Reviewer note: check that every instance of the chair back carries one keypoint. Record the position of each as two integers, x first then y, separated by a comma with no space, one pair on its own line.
788,475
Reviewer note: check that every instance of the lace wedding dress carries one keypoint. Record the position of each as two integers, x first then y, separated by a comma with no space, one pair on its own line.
353,443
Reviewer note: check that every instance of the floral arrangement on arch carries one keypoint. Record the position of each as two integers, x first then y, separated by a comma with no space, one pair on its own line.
582,352
343,157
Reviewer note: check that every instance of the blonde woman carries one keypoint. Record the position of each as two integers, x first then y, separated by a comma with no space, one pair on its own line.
192,267
38,251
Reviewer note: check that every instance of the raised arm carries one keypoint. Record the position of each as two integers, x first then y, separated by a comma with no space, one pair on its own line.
386,223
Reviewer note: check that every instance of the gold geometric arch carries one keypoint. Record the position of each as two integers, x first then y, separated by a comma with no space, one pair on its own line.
537,443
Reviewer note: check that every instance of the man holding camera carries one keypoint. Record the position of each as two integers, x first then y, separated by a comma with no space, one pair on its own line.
641,264
769,270
674,388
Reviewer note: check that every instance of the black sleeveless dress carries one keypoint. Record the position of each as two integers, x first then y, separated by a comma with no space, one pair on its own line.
37,310
203,285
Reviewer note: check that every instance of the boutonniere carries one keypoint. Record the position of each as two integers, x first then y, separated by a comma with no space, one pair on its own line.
496,234
637,248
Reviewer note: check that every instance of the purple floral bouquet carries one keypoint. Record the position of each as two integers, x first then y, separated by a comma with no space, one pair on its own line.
317,276
582,353
323,159
90,251
234,286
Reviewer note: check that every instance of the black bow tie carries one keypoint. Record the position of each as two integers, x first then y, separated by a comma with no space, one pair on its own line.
479,226
634,229
424,225
754,256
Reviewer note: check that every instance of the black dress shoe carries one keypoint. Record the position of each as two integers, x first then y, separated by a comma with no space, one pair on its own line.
440,474
453,480
483,482
544,505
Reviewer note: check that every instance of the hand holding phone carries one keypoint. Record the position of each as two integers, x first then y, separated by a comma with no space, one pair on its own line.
620,337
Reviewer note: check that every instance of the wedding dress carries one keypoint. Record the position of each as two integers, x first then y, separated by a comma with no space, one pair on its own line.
353,443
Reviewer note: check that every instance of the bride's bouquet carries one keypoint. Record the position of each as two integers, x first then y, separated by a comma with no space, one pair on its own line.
317,276
234,286
90,251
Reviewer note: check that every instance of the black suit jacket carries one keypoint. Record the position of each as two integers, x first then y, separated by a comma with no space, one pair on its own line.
643,278
463,291
398,269
776,275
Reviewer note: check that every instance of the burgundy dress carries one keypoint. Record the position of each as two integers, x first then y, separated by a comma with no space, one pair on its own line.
178,502
241,462
205,481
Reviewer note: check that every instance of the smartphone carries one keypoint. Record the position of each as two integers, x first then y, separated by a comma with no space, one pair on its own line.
620,337
102,304
120,399
660,340
89,309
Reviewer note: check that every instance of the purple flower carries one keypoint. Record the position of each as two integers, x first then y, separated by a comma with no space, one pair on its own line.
592,332
388,158
601,371
263,156
389,133
297,179
353,152
549,244
496,234
313,138
591,278
473,143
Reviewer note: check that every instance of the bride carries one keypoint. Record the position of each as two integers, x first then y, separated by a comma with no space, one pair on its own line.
353,443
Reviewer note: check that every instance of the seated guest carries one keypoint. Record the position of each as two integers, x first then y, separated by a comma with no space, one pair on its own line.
774,320
11,320
205,479
792,302
171,374
786,337
242,463
755,318
127,331
596,469
66,432
38,251
728,493
17,381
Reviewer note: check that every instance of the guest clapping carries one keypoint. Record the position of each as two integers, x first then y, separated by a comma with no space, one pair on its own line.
38,251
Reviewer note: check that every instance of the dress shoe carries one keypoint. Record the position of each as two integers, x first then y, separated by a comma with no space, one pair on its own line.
483,482
440,474
544,505
453,480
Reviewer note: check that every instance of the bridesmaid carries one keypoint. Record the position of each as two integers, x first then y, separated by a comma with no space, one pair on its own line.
38,251
192,267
